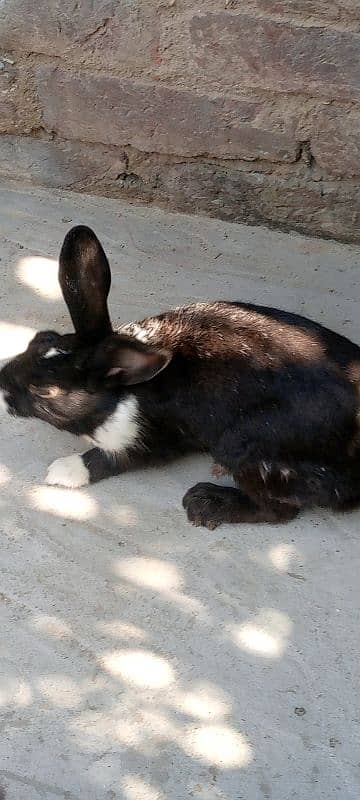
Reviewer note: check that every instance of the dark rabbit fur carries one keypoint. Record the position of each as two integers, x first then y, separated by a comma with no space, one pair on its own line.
272,396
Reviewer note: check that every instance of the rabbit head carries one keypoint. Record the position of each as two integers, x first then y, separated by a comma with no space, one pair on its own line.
74,380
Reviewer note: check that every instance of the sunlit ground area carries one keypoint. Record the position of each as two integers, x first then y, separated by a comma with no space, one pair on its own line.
140,658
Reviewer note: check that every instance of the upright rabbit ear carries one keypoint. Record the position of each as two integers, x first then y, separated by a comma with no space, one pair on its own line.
85,279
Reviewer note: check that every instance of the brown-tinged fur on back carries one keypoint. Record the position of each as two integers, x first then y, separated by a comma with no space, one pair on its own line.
224,330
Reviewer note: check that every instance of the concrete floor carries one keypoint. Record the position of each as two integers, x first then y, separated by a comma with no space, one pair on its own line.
141,658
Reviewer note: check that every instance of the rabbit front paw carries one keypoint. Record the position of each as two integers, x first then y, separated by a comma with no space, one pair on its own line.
69,471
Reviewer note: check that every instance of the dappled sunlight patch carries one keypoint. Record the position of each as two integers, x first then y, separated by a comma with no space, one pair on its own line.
149,572
41,275
129,732
128,722
60,691
14,691
282,556
14,339
135,788
122,630
140,668
161,576
5,475
51,626
96,730
66,503
266,634
205,702
218,745
158,725
141,728
123,514
189,604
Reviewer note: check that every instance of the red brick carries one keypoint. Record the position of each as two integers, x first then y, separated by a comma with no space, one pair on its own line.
18,111
110,33
8,106
335,142
258,52
96,107
327,9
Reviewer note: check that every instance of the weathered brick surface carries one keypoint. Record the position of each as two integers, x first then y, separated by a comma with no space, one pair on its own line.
8,113
337,10
100,108
278,56
243,195
293,203
17,106
109,32
335,142
243,109
59,163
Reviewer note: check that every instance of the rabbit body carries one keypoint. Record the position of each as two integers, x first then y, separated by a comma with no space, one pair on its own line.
272,396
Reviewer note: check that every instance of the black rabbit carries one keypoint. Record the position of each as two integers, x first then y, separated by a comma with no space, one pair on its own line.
272,396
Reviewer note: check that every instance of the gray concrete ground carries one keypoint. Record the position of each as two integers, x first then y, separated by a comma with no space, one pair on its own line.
141,658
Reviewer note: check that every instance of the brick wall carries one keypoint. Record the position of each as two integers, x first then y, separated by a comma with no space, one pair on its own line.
248,110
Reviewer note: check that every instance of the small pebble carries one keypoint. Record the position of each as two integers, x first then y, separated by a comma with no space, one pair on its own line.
299,711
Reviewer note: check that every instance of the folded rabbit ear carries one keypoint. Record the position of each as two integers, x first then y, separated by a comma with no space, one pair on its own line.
85,279
127,361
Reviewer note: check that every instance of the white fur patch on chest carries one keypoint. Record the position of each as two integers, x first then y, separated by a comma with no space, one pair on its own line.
121,430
